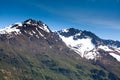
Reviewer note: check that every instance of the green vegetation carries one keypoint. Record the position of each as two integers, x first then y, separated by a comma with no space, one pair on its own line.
48,68
24,59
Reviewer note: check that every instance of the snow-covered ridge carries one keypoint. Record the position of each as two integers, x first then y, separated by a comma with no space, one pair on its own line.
82,42
10,29
15,28
84,47
106,48
40,24
80,46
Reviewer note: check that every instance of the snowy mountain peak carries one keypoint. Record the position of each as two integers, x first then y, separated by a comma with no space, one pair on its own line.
88,45
69,32
38,24
29,24
30,21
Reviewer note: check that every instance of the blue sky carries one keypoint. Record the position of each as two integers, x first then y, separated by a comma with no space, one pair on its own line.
101,17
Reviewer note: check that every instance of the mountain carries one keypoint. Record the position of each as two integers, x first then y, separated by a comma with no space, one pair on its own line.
88,45
29,50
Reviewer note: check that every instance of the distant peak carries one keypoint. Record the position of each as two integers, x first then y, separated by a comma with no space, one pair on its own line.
35,23
69,32
74,30
32,21
29,24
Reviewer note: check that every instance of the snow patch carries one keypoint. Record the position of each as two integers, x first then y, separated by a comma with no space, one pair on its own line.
9,30
115,56
39,32
33,32
19,24
91,55
65,30
106,48
116,48
29,22
78,34
80,46
37,36
30,33
45,28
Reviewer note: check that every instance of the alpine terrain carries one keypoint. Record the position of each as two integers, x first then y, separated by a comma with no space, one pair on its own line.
29,50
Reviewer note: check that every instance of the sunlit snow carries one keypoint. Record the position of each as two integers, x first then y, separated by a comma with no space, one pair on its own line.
19,24
115,56
106,48
81,46
9,30
45,28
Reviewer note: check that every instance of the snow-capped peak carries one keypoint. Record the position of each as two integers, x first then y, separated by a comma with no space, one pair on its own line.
22,26
80,46
40,24
87,44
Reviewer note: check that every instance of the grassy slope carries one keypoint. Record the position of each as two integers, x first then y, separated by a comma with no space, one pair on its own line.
24,59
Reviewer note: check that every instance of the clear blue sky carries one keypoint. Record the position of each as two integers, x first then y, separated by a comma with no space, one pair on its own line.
101,17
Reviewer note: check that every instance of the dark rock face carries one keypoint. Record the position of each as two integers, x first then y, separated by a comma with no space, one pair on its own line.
112,43
70,32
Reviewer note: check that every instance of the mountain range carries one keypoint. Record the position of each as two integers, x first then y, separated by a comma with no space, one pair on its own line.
29,50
